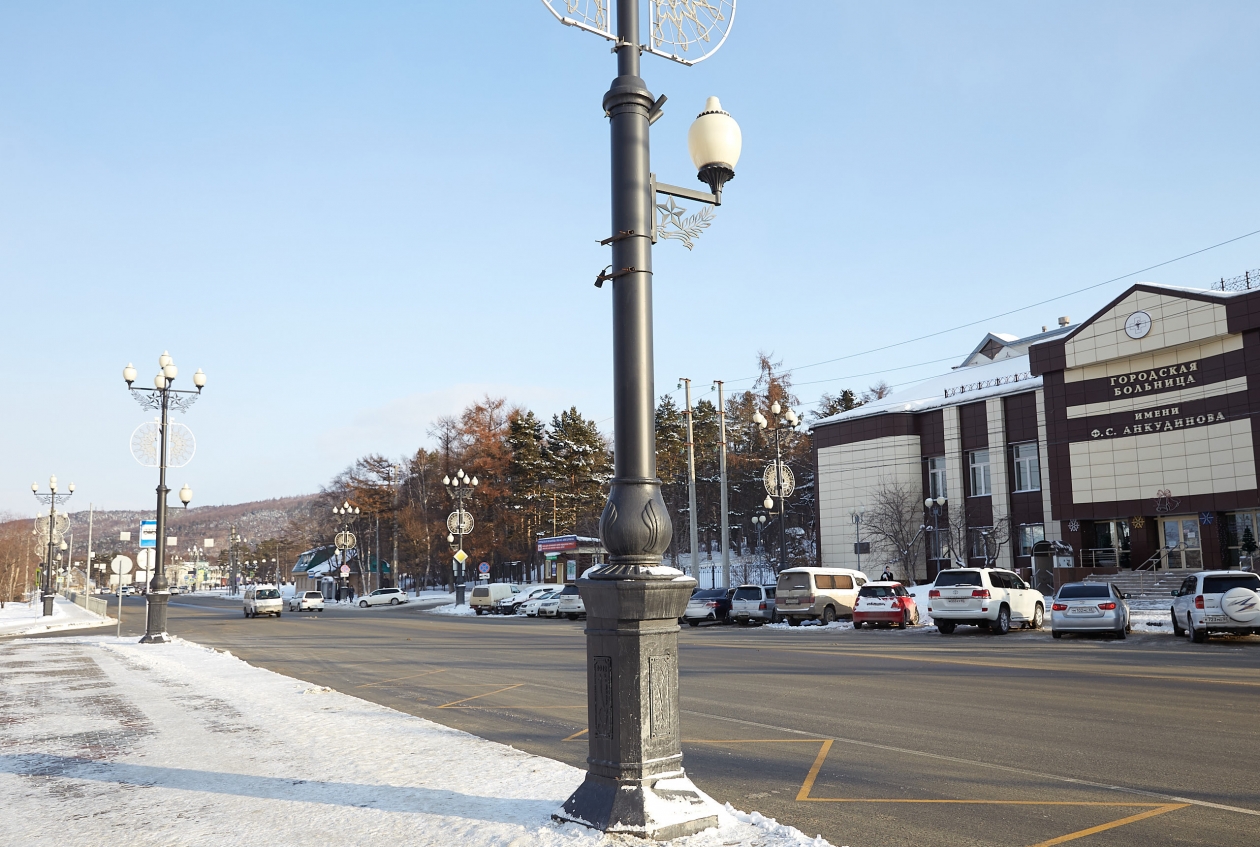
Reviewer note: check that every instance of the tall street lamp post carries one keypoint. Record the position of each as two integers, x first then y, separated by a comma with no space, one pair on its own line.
162,397
459,523
633,603
346,539
234,540
778,478
54,537
759,523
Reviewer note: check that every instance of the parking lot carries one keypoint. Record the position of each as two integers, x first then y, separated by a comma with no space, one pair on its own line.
890,737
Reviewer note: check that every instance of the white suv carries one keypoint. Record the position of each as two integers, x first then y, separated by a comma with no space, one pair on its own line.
985,597
262,600
307,601
1217,601
383,596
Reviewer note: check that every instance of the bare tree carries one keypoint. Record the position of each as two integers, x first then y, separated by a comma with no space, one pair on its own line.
894,523
966,540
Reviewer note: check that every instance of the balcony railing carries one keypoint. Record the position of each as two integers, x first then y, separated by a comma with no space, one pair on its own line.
1104,557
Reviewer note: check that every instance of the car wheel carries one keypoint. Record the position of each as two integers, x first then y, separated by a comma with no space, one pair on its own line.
775,618
1054,634
246,612
1177,630
905,620
794,621
1198,636
277,614
694,623
1121,634
1002,625
363,604
571,616
393,601
1039,617
828,615
946,627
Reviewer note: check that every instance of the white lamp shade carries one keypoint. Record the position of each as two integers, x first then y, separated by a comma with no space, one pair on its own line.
446,480
159,382
199,379
164,359
129,374
927,504
714,137
170,371
775,408
34,486
768,503
940,501
185,494
72,488
52,483
474,480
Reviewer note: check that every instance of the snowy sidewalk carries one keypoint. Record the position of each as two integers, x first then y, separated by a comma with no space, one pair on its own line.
27,619
105,741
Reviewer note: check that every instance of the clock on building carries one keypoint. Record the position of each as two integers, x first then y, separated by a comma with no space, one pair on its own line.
1137,325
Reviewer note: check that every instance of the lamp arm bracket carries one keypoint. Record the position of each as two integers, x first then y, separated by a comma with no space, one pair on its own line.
604,277
686,193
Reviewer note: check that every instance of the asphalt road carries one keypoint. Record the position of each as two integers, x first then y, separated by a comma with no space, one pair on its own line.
868,738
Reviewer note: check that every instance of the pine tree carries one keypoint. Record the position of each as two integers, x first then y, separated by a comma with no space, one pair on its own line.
671,465
581,465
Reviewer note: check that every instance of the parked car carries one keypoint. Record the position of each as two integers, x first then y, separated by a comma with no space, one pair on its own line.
510,605
709,604
753,604
307,601
1089,607
819,594
885,603
127,589
529,607
990,598
485,598
571,605
550,606
1217,601
262,600
383,597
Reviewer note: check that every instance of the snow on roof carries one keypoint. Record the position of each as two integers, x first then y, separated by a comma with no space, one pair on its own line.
964,385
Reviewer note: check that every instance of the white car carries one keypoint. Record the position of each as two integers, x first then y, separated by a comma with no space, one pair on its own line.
550,607
529,608
1217,601
262,600
307,601
512,605
384,597
990,598
571,605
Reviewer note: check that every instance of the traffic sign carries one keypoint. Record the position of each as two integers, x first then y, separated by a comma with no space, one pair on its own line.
120,564
145,560
148,533
461,556
483,568
345,570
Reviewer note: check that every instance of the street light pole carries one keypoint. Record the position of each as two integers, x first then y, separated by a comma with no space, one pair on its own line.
936,505
459,524
724,506
53,537
633,603
162,397
789,420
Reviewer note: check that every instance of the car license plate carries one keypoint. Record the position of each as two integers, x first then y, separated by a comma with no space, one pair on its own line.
1215,619
1081,610
952,600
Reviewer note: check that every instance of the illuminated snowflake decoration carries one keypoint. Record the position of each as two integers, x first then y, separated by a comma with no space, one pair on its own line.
590,15
1074,525
146,442
1138,522
688,31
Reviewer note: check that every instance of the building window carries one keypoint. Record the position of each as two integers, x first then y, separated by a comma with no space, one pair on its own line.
936,477
1027,467
981,484
1030,534
980,539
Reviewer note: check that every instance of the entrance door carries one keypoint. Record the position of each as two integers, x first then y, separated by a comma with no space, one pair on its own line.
1182,543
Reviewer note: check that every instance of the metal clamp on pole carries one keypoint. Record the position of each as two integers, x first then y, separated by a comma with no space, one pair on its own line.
604,276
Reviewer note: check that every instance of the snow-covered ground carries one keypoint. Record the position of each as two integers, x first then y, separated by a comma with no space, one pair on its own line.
27,618
107,739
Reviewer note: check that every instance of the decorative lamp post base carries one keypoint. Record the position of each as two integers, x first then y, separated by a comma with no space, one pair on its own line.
635,784
155,620
48,605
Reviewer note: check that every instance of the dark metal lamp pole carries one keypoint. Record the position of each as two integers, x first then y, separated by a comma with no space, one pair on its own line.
47,587
459,524
162,397
789,420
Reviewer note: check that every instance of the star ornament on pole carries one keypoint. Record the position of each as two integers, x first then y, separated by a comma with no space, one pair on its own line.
635,783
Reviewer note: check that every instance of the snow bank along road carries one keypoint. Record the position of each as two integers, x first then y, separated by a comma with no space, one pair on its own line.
869,738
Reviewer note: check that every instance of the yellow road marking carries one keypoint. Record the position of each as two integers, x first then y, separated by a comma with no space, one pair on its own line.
475,696
399,679
808,784
1072,836
576,734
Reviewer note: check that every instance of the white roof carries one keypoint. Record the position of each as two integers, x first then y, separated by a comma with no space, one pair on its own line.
1005,376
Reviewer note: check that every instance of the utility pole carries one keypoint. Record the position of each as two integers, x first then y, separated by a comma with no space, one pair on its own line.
87,579
691,485
726,515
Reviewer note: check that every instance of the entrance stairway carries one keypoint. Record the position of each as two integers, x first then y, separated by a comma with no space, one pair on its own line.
1144,584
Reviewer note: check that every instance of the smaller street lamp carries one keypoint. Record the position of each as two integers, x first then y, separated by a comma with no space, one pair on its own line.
935,506
54,537
346,539
781,418
459,523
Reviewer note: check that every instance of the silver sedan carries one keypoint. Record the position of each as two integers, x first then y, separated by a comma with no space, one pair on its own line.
1089,607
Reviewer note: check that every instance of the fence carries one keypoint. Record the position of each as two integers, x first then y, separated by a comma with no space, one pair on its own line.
93,604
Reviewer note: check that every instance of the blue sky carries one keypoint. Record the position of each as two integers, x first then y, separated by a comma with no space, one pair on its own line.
357,217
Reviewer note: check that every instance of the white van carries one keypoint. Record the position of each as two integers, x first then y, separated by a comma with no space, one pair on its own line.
262,600
485,598
817,594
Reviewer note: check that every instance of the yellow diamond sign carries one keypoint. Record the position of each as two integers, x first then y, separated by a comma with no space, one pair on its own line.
461,557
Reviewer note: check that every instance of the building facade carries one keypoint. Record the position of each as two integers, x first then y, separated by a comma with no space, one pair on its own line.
1129,436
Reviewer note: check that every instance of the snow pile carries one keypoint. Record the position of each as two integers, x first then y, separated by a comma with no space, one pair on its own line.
28,619
464,611
812,626
1150,621
179,744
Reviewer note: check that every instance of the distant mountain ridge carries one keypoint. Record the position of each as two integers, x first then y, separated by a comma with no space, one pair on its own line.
256,521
